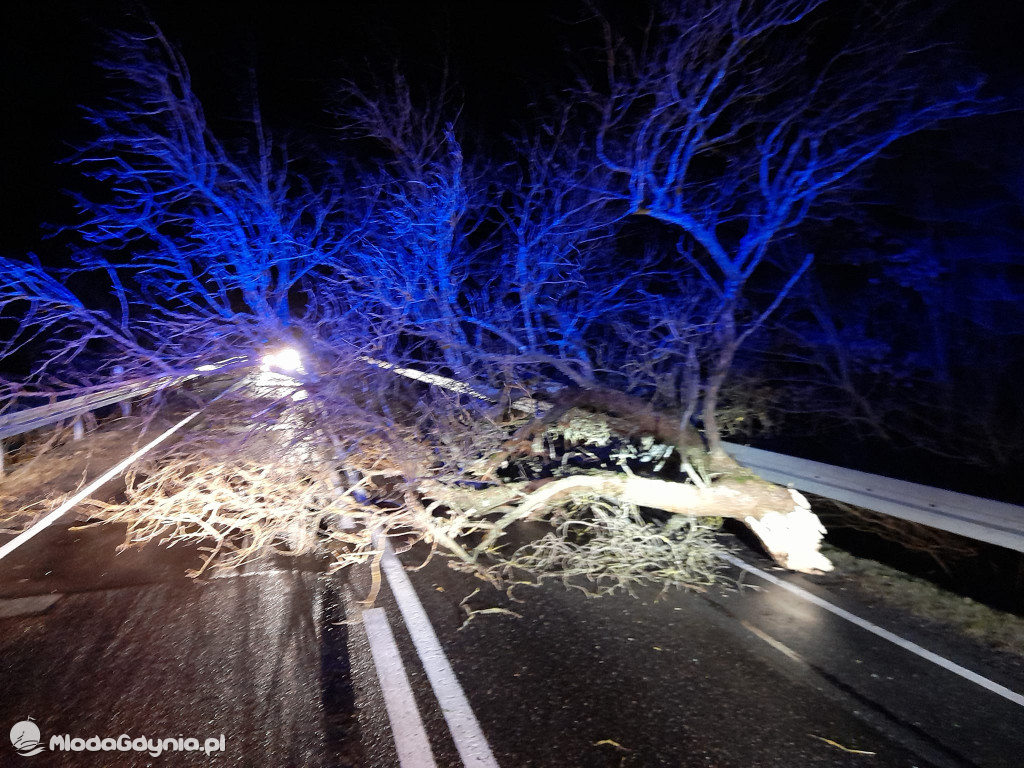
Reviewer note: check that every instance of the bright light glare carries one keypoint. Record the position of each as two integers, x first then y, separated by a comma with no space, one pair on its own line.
206,368
285,360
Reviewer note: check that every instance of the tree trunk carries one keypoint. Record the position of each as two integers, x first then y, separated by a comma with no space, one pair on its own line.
712,391
780,517
709,407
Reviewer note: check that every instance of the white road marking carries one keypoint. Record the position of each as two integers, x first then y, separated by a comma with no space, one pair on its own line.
778,646
465,728
111,473
411,741
914,648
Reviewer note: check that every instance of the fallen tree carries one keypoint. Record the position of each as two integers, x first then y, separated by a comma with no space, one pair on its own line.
705,485
546,261
628,493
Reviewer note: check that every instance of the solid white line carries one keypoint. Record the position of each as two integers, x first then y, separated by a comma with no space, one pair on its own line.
24,536
406,725
114,471
914,648
465,728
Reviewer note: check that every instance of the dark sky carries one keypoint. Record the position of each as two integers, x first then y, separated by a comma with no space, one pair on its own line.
48,51
505,54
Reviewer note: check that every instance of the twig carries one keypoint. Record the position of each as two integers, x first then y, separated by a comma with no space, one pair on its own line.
840,746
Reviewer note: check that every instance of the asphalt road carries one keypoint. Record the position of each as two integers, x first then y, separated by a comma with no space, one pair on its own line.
130,646
730,677
277,661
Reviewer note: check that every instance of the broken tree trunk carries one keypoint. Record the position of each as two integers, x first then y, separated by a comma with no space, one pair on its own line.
780,517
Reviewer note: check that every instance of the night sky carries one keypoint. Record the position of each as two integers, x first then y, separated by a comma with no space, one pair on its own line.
504,56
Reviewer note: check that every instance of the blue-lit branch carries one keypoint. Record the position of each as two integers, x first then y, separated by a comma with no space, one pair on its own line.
722,125
202,234
556,276
48,317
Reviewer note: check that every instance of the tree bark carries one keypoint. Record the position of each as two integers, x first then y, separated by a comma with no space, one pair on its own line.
780,517
728,344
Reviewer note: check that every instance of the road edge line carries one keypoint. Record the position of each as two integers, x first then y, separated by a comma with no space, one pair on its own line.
111,473
907,645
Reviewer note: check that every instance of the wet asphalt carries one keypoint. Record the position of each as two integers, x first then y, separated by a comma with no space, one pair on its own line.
125,651
275,659
730,677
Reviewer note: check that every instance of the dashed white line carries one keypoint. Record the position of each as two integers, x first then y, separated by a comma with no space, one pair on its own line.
907,645
27,606
465,728
411,741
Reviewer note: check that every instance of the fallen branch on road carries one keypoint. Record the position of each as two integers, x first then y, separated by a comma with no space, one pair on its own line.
629,494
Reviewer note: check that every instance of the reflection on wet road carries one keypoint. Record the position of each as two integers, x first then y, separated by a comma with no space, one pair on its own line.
93,644
234,656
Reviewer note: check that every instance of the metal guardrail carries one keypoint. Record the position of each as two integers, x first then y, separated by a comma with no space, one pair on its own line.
976,518
971,516
111,473
19,422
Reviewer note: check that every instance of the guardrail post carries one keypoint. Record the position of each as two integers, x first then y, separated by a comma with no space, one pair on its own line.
126,405
78,428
